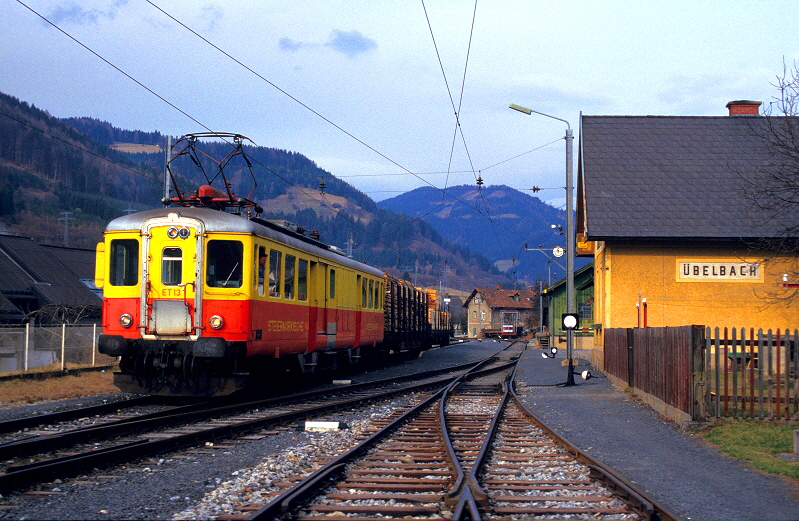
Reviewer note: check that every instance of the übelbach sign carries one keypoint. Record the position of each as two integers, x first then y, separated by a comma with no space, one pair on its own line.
719,271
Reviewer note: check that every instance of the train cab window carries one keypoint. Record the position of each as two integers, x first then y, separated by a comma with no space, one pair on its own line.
302,280
363,293
275,259
124,269
224,264
332,293
261,269
288,277
171,266
371,293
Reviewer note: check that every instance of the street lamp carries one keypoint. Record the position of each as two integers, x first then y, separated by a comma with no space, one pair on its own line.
569,243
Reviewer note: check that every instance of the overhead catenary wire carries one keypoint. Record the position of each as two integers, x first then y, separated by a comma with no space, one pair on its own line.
258,75
142,85
457,111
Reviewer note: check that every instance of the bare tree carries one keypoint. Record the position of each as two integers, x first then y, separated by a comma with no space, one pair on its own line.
50,314
774,191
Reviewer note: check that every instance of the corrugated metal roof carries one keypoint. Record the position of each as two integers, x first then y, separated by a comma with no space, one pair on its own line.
9,312
33,268
79,262
673,177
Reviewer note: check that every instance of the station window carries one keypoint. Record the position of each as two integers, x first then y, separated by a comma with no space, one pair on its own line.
275,258
124,269
288,277
302,280
171,266
224,264
585,312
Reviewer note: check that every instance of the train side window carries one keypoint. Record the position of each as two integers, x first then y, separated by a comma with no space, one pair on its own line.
275,258
224,264
124,269
171,266
288,277
363,293
261,267
302,280
371,293
377,295
332,293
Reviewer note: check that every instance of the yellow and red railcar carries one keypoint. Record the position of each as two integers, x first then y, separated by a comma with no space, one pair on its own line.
197,301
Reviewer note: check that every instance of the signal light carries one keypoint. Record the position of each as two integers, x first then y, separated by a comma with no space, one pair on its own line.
570,320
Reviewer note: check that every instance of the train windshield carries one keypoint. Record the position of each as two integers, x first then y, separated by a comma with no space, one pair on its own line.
224,264
124,269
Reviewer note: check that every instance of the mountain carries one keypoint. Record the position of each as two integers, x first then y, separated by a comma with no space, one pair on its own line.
498,221
62,180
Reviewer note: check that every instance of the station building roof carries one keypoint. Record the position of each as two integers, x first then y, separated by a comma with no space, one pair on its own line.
672,177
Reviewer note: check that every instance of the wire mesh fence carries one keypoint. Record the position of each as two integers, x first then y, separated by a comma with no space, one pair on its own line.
32,348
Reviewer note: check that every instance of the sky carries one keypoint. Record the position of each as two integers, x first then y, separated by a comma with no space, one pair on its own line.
369,90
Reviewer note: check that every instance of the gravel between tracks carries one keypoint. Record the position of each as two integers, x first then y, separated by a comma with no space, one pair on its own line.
171,488
681,472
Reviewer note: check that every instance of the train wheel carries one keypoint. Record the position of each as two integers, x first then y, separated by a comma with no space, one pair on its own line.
138,368
188,360
147,369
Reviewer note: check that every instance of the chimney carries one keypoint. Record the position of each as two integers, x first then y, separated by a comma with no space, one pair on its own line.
744,107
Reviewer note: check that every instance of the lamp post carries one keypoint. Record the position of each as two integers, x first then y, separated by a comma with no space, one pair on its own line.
570,306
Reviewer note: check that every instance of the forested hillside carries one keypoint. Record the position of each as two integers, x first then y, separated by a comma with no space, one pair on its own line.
497,220
58,172
47,168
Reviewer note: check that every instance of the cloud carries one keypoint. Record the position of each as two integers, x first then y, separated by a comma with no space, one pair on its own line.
211,14
287,44
350,43
74,13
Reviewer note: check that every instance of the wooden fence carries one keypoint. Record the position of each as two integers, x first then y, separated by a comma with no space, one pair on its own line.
693,372
752,374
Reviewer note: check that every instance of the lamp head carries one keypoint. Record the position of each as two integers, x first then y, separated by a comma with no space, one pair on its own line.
521,109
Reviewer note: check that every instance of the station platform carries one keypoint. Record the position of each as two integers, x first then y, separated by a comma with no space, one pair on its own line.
675,467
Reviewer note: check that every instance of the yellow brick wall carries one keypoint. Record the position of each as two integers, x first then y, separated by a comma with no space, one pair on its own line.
626,274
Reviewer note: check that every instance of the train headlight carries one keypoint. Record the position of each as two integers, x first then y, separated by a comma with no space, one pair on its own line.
126,320
216,322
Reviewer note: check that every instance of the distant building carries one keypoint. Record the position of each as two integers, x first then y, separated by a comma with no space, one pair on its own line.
46,284
488,310
663,209
554,301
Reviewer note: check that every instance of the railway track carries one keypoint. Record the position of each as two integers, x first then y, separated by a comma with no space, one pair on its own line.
53,454
468,451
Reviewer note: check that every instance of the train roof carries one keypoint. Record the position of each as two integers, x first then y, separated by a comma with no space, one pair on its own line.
216,221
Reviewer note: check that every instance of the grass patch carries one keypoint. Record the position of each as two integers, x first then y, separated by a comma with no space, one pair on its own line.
19,392
756,443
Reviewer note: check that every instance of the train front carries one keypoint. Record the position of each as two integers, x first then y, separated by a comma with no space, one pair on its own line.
173,307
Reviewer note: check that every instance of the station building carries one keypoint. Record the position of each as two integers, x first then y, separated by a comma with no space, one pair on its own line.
671,209
488,310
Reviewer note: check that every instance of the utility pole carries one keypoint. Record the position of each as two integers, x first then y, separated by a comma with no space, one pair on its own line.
67,217
168,153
